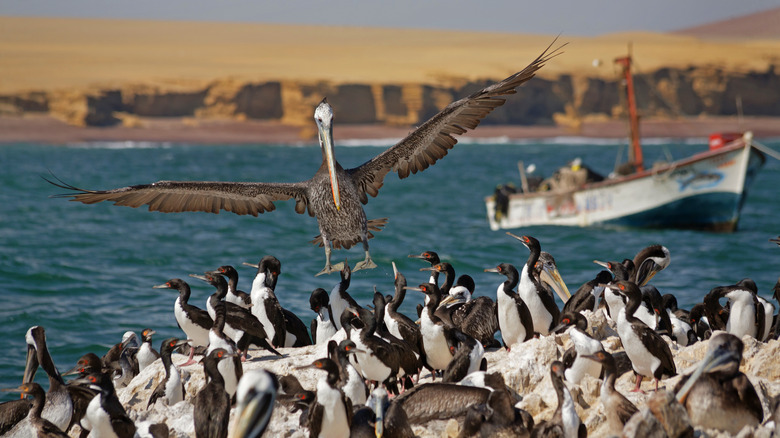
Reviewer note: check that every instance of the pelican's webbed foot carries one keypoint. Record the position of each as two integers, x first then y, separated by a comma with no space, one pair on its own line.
365,264
328,269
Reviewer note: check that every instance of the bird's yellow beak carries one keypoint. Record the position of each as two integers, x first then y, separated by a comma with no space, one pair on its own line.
326,142
552,277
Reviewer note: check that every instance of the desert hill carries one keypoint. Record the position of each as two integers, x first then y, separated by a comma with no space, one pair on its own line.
759,25
126,72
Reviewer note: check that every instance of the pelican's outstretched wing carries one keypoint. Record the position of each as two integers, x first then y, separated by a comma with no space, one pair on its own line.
211,197
434,138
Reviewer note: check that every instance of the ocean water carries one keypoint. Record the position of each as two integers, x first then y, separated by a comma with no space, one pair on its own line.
85,272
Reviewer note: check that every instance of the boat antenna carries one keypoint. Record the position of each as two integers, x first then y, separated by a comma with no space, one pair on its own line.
740,115
635,151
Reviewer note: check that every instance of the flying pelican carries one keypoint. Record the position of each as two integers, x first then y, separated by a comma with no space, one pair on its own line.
334,194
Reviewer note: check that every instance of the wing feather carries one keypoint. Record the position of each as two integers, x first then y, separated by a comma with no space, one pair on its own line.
434,138
208,196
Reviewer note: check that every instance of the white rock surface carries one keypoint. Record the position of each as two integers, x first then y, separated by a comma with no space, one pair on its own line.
525,369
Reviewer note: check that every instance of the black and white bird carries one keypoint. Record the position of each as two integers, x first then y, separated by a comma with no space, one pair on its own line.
649,354
616,301
234,295
211,405
379,361
468,358
146,354
231,370
576,363
409,362
331,413
564,422
744,315
340,299
400,325
87,364
241,325
437,338
255,400
514,318
541,304
323,326
288,331
351,382
682,330
433,259
171,388
194,322
105,413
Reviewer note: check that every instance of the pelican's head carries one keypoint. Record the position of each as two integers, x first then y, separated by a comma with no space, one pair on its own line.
323,116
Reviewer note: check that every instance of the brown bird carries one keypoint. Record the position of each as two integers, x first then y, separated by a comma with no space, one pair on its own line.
333,195
43,428
618,408
717,395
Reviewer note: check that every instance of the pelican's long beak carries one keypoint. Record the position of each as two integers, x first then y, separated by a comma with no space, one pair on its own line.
449,299
31,365
647,274
325,129
713,361
551,276
199,277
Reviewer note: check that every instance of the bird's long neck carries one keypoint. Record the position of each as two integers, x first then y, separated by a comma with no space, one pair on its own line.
449,279
512,279
165,356
221,286
39,400
631,306
232,281
210,367
46,362
399,296
434,298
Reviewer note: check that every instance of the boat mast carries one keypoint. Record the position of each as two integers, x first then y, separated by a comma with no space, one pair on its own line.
635,151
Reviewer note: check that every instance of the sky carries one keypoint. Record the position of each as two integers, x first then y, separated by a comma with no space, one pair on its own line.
568,17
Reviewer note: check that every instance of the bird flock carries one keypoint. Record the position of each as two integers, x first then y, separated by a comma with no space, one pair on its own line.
383,373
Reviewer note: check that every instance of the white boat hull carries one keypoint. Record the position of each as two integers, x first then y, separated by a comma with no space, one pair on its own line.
705,191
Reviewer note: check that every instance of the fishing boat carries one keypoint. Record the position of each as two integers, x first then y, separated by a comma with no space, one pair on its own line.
704,191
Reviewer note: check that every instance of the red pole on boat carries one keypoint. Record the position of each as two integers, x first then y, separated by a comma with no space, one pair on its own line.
625,62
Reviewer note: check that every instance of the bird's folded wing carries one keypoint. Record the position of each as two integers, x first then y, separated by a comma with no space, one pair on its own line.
211,197
433,139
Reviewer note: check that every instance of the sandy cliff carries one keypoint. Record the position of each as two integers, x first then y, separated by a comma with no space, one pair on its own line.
114,72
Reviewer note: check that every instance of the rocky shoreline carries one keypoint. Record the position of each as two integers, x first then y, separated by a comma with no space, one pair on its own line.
526,371
48,130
